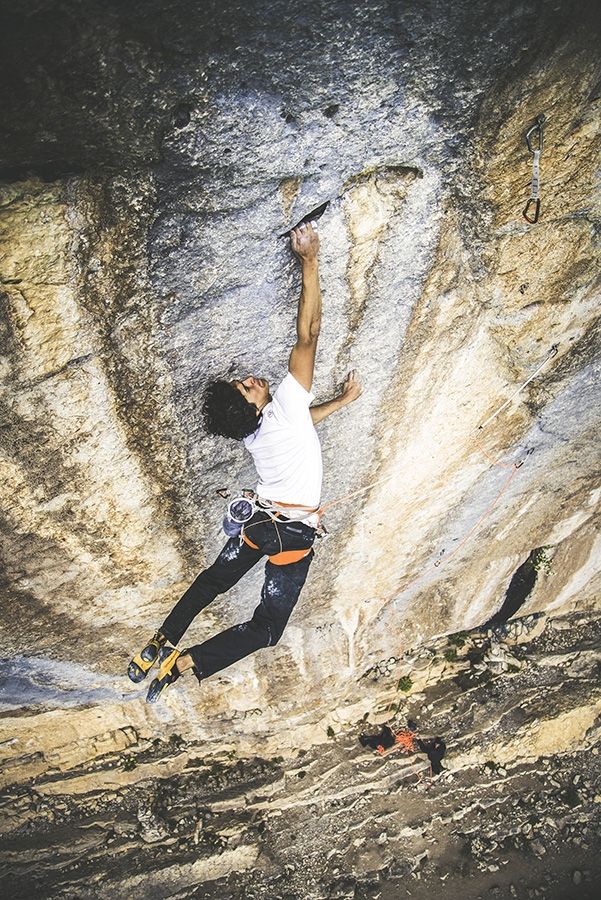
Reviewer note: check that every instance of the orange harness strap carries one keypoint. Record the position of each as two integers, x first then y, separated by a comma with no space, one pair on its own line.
283,558
289,556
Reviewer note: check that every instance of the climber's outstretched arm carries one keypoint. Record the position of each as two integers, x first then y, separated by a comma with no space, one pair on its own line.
305,245
350,391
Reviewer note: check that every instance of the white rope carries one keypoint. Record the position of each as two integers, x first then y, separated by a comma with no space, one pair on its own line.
552,353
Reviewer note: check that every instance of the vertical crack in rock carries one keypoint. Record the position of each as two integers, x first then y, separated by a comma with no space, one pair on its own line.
521,585
370,201
70,482
288,191
111,217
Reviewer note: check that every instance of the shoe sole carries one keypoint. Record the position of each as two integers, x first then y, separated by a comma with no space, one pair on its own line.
139,667
167,664
135,673
155,690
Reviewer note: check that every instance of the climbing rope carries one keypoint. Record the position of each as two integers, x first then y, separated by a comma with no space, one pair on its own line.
513,469
536,152
548,358
472,436
297,512
404,738
405,741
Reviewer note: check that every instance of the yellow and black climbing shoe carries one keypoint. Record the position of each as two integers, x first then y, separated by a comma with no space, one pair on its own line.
168,673
145,659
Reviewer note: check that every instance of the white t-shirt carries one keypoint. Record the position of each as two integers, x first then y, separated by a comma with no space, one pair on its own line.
285,448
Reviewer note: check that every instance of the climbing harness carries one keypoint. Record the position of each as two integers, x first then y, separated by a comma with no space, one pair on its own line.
292,512
536,152
284,557
241,509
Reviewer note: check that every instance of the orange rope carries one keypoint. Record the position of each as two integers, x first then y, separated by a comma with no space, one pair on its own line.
552,353
437,565
495,462
404,738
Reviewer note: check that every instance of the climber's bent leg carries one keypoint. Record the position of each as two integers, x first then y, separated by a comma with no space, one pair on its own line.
234,561
280,592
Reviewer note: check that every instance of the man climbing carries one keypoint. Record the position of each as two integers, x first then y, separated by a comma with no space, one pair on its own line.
279,432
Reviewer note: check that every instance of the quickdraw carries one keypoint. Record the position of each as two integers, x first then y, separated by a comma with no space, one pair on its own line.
534,198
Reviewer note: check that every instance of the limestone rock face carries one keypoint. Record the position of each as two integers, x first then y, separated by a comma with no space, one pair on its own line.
152,159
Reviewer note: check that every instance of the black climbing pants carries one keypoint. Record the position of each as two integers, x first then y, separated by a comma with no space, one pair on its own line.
279,594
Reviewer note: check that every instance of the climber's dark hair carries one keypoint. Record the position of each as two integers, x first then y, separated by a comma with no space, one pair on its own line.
226,412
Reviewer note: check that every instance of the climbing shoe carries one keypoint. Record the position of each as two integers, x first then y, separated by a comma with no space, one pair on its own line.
168,673
145,659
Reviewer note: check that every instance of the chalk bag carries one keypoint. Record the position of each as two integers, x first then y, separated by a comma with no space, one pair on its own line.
239,511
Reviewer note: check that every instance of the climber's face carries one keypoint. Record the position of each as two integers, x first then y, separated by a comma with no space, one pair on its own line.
254,390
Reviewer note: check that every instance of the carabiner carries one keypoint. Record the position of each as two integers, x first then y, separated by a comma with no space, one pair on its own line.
534,198
538,126
536,210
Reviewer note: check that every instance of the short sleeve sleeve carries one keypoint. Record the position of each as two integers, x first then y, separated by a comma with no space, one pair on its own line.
291,399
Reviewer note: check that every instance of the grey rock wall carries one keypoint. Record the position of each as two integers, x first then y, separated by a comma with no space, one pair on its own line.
152,158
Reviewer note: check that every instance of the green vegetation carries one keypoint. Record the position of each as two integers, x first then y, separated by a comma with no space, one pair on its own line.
450,655
129,764
458,639
541,562
217,769
330,732
404,684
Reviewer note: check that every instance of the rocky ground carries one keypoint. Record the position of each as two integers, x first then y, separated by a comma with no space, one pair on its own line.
339,820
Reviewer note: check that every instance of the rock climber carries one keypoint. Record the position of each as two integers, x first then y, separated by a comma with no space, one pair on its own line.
279,431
